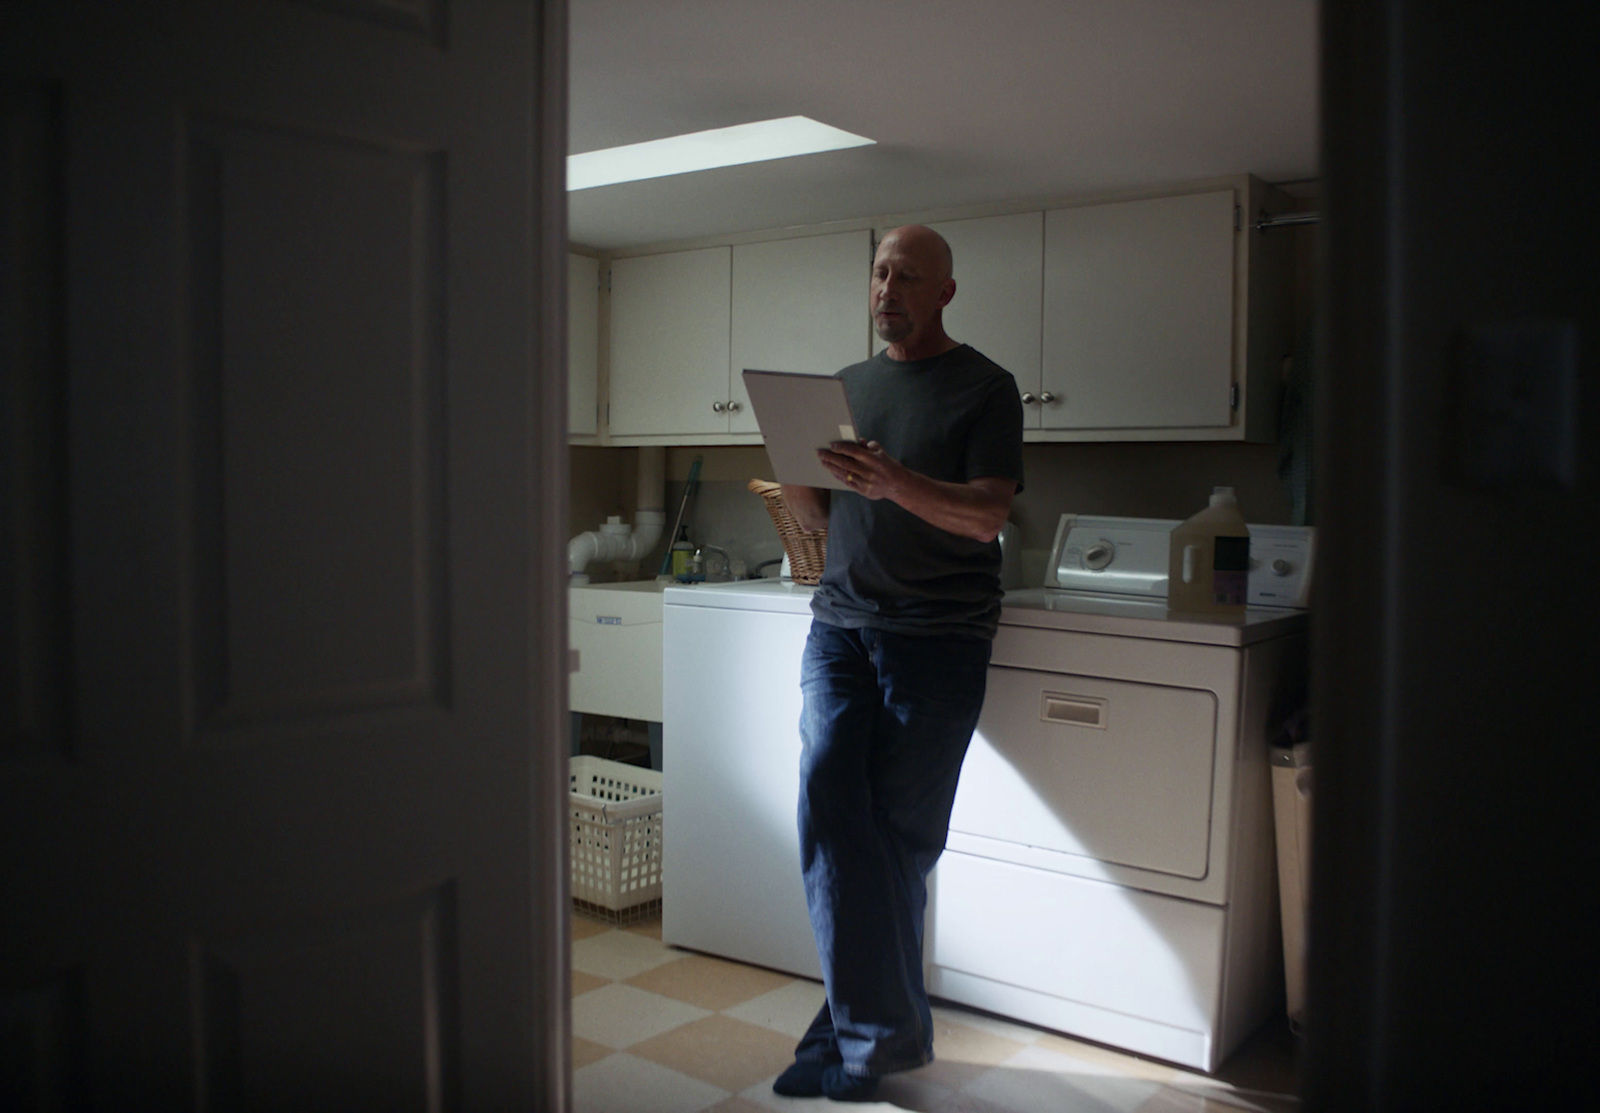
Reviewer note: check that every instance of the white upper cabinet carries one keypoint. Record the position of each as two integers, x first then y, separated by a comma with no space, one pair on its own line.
669,343
686,324
1139,314
1157,318
997,307
798,305
583,344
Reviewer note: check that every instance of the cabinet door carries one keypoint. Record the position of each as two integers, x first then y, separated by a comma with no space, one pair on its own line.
669,343
798,305
999,263
1138,321
583,343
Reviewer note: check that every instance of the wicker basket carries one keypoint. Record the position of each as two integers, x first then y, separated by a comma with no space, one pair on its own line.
807,551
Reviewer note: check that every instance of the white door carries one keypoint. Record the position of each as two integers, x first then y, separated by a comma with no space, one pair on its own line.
798,305
1138,314
583,344
282,764
669,343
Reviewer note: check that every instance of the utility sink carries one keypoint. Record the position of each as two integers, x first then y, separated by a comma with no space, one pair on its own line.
615,631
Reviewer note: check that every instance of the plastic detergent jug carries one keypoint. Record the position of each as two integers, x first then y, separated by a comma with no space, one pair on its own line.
1208,564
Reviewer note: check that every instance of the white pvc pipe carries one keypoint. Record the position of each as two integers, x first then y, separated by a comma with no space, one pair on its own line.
652,478
647,527
581,550
616,541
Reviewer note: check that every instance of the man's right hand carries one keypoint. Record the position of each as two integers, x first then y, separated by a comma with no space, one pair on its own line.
809,505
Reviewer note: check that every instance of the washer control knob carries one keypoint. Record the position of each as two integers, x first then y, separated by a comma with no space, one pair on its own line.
1281,567
1099,555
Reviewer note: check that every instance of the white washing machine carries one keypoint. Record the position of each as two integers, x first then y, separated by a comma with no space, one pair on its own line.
1111,871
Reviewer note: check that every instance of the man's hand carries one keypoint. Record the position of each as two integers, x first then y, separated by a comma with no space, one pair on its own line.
975,509
809,505
865,468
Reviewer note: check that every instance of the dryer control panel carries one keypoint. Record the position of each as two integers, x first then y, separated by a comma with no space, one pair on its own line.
1128,556
1280,566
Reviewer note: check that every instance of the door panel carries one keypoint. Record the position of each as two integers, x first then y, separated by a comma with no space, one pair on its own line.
322,521
1117,949
1105,770
1138,323
33,603
670,317
358,1010
49,1020
583,344
798,305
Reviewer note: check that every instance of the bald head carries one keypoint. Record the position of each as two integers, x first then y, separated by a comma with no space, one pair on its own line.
927,245
911,285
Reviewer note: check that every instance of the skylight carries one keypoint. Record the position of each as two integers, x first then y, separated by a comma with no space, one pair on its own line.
706,150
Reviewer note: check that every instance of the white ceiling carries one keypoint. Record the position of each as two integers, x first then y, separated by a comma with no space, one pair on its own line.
970,101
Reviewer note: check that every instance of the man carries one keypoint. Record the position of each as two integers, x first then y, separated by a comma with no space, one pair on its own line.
894,668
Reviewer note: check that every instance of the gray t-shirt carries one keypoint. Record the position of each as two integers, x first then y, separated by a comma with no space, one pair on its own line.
954,417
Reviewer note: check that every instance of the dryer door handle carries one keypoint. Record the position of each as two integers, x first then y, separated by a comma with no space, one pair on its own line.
1078,711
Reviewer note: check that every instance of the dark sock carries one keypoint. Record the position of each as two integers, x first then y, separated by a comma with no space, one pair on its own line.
803,1079
840,1085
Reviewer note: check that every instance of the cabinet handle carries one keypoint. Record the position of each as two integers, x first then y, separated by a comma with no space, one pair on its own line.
718,407
1029,398
733,407
1047,397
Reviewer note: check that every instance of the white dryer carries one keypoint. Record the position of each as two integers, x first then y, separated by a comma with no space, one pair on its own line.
1110,871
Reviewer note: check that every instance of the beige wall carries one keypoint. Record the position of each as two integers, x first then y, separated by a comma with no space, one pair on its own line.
605,480
1127,480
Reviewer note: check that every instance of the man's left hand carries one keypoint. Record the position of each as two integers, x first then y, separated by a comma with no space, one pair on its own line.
975,509
864,467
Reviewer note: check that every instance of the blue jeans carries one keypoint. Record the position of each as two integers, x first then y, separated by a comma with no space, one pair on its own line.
885,725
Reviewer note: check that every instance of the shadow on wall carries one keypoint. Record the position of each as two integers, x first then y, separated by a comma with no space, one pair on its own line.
1144,481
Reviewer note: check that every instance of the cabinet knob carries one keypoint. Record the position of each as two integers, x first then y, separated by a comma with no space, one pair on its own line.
733,407
1029,398
1047,397
718,407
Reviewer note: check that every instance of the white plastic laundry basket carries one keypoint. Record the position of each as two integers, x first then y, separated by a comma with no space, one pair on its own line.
616,839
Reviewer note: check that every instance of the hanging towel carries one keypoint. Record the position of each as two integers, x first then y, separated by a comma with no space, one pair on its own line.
1294,429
